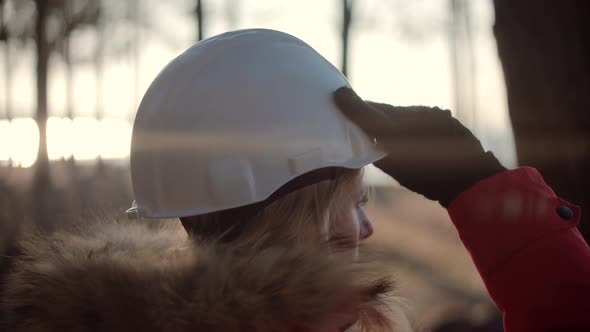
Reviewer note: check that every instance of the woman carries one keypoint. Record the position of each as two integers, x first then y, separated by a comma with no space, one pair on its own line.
240,139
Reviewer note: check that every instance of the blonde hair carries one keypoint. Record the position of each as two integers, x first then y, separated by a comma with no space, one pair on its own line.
303,215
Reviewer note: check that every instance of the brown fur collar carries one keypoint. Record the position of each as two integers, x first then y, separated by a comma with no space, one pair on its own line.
125,276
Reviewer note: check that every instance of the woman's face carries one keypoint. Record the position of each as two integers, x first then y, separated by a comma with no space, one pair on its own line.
352,224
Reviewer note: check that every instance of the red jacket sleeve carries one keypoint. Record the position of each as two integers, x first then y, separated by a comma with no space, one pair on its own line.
524,242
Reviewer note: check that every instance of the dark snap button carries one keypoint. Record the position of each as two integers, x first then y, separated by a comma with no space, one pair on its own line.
564,212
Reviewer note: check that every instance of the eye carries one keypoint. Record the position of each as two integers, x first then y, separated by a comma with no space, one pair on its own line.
363,199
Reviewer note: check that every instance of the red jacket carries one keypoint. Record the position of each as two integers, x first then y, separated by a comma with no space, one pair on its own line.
525,244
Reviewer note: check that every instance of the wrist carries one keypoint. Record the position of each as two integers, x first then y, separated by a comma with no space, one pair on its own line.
486,165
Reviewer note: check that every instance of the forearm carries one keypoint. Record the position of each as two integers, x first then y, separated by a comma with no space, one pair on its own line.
527,249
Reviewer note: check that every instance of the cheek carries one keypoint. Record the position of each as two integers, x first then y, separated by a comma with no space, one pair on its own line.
347,227
353,226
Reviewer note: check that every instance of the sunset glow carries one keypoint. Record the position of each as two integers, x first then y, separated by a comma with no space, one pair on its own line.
83,138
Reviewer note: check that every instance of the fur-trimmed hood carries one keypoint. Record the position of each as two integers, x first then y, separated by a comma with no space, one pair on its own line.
126,276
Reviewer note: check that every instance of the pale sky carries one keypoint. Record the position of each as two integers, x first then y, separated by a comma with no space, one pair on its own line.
384,65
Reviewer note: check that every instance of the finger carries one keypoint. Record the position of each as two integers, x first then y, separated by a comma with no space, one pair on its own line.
402,121
373,121
416,121
410,111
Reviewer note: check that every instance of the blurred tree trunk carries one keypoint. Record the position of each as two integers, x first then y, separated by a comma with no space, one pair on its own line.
544,47
42,182
346,23
99,81
5,38
43,52
99,72
69,78
199,19
7,81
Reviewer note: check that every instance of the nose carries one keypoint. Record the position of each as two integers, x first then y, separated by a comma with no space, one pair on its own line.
366,226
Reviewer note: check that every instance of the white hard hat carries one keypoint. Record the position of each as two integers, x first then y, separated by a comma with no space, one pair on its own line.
235,117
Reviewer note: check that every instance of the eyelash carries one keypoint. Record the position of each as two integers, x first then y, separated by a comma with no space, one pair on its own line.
363,200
